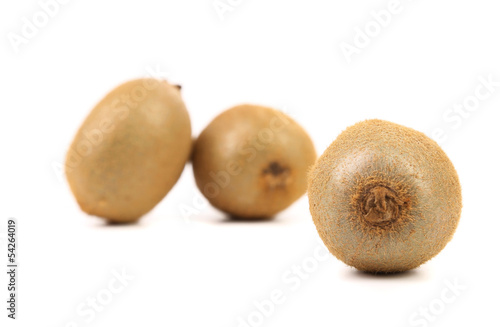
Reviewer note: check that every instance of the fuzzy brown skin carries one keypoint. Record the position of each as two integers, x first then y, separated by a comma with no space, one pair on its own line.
384,197
252,161
146,141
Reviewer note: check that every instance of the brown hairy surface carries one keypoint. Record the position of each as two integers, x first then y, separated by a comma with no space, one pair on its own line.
384,197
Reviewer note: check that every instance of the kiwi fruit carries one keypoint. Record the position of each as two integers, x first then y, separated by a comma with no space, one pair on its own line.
252,161
384,198
130,150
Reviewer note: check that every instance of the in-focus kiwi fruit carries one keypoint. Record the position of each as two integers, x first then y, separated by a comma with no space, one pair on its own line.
130,151
252,161
384,197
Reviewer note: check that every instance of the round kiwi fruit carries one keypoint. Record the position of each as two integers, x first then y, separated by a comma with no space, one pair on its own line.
130,151
252,161
384,197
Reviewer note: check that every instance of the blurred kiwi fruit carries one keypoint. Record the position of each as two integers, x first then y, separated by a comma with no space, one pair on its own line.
251,161
130,150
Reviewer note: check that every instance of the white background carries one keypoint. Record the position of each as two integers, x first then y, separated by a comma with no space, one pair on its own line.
206,271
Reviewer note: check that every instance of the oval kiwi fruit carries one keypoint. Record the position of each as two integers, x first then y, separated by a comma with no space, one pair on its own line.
130,151
251,161
384,197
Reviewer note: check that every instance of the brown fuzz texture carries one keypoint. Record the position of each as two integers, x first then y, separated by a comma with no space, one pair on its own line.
384,198
130,151
252,161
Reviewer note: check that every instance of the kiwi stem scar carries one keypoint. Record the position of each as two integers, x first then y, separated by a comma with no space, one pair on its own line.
380,206
276,175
